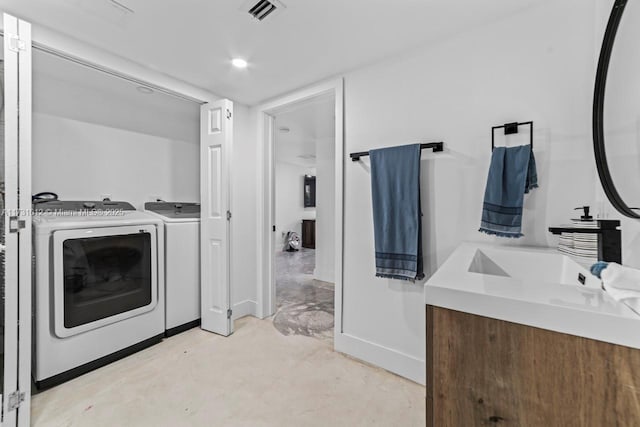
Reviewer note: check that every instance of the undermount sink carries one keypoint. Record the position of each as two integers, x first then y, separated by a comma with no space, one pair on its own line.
537,287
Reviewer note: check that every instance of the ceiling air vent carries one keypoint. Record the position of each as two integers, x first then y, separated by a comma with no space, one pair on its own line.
264,8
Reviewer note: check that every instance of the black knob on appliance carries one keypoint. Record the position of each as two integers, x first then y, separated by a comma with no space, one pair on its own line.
586,216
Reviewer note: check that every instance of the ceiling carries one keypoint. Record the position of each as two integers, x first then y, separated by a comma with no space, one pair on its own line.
309,40
309,124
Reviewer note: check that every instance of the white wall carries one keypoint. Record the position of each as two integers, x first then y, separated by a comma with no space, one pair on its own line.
325,210
80,160
290,210
537,65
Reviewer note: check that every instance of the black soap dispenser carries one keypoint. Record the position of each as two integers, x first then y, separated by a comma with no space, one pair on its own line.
586,216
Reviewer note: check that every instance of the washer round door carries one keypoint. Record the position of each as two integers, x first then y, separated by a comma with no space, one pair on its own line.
102,276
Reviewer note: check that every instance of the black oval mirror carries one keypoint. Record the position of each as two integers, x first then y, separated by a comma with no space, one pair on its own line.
616,118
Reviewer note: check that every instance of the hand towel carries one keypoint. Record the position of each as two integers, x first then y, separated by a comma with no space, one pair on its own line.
397,222
512,173
622,284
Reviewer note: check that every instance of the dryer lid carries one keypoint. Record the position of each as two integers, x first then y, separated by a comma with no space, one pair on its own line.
174,210
81,205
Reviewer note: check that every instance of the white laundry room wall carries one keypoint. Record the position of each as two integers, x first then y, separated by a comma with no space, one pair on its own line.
80,160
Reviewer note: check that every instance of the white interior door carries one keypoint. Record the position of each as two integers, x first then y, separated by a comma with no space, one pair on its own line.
216,141
15,232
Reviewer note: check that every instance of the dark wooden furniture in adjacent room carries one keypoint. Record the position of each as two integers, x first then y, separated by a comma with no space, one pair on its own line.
309,233
485,372
309,194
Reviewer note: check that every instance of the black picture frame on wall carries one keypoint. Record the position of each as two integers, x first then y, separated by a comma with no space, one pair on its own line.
309,191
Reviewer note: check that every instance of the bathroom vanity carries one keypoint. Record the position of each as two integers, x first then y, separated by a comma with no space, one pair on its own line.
526,337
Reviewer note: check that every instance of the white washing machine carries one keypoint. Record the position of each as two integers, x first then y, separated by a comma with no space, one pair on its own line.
182,263
98,288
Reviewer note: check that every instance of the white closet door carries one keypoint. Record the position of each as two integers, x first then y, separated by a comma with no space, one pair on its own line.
216,139
15,234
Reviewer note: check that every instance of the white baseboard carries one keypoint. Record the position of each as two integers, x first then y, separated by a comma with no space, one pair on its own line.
392,360
324,275
244,308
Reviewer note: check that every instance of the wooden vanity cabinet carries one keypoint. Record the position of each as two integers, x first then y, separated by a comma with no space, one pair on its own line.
488,372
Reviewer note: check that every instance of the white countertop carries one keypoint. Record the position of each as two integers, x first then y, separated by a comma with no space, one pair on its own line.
539,288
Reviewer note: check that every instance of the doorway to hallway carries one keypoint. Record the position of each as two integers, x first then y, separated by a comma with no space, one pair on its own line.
304,190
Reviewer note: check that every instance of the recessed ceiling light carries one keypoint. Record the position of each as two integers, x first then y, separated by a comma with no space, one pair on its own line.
239,63
145,90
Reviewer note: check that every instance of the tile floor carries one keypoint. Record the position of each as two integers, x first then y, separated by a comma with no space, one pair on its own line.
304,306
257,377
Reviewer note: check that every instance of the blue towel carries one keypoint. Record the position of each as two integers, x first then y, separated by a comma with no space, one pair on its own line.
512,174
596,269
532,173
397,222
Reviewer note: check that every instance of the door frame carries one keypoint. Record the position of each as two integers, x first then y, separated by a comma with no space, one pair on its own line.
266,301
18,251
26,249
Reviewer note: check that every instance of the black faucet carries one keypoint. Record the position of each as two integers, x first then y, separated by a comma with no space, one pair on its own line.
609,238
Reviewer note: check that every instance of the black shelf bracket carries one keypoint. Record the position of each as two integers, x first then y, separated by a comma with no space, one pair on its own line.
609,238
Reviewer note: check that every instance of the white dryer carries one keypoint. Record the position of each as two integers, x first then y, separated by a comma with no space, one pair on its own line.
98,288
182,263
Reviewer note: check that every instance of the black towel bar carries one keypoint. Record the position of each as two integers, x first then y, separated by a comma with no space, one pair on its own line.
436,146
511,128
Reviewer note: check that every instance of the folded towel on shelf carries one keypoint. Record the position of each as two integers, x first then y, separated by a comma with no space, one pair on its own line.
622,284
512,173
397,222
